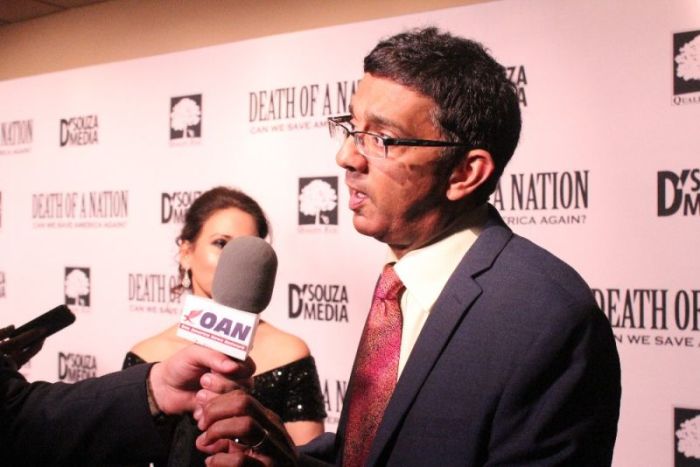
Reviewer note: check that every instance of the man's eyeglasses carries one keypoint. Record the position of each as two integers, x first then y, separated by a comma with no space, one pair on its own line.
374,145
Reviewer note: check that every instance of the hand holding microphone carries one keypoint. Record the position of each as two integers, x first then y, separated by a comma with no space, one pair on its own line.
243,282
242,288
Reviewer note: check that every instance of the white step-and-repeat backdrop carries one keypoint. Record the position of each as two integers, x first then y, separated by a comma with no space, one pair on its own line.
98,164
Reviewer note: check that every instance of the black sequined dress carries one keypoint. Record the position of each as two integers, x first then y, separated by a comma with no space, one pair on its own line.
292,391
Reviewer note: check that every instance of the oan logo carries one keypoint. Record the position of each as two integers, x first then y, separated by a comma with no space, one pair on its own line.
74,367
185,120
217,326
686,67
79,131
687,436
76,286
318,202
678,193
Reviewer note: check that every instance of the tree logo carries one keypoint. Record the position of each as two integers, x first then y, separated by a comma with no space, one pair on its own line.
687,437
318,201
76,287
686,67
186,118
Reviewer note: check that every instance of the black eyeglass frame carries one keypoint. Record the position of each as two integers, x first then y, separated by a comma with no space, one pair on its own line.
387,140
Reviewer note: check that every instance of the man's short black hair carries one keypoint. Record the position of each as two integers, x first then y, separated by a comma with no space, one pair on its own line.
476,103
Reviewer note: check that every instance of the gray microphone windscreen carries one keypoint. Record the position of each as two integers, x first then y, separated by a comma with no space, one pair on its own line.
245,275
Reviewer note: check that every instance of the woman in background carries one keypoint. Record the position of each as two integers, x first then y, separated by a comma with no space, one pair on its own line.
286,380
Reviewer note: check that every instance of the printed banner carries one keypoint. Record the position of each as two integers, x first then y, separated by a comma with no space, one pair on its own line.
99,164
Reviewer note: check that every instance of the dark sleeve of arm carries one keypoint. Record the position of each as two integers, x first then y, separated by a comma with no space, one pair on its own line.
561,405
320,451
92,422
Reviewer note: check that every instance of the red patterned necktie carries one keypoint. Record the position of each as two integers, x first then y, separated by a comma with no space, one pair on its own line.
376,368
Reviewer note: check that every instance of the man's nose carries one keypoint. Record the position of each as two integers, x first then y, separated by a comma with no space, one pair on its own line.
349,158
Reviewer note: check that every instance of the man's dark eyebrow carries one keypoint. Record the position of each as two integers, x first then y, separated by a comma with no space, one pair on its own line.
382,121
387,123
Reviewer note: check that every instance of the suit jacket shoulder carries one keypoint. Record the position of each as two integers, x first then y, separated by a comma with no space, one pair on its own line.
516,365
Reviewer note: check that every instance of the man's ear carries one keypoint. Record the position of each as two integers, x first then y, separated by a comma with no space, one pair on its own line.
470,172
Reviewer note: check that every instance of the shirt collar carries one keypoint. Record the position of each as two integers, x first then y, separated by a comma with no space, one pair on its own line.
425,271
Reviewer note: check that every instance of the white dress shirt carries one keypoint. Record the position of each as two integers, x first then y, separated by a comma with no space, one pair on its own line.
424,272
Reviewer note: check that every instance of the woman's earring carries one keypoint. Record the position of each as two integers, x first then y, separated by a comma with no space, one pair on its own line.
186,282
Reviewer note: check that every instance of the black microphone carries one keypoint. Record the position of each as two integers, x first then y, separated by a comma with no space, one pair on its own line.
242,287
49,323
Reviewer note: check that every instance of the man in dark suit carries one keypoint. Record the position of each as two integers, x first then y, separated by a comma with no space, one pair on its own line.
505,358
116,418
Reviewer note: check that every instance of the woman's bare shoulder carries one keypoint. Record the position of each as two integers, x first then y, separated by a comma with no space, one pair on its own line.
274,347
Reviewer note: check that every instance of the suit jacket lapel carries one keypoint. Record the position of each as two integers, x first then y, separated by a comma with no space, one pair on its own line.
451,306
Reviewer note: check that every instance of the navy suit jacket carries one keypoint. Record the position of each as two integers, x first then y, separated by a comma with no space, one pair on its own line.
100,421
516,365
